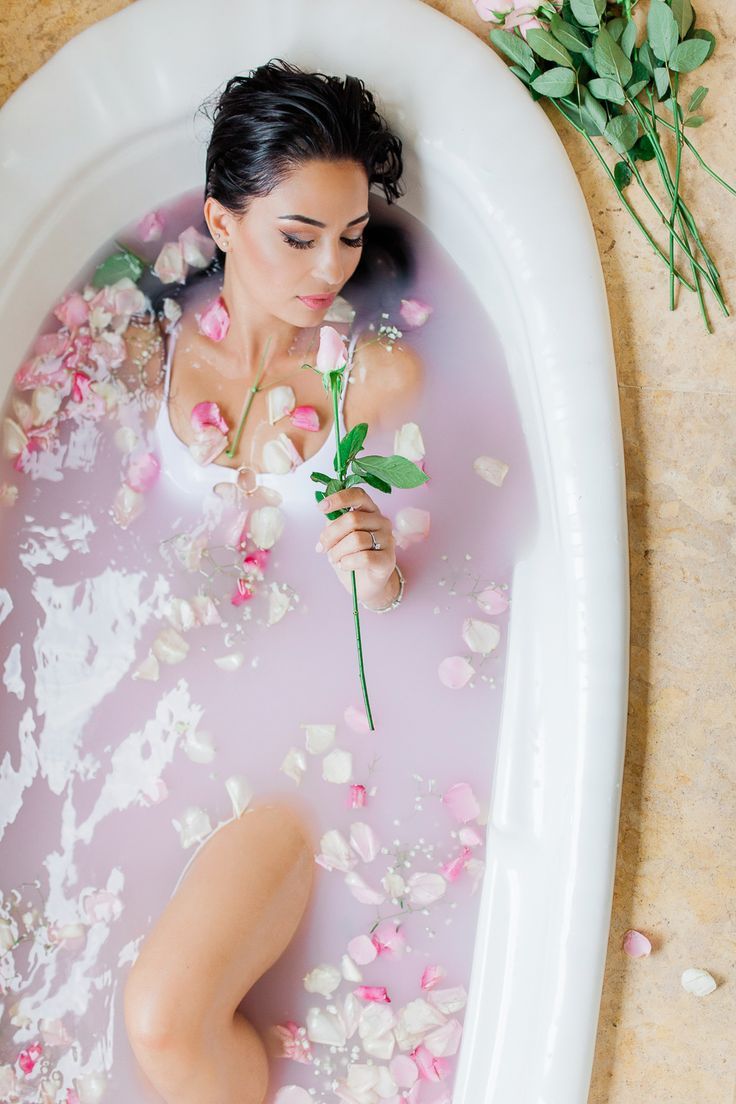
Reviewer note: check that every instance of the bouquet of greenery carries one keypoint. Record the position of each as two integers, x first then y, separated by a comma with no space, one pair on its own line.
584,57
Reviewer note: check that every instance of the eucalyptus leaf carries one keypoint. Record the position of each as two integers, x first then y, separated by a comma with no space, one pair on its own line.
555,83
615,28
697,98
622,132
568,35
589,56
622,174
694,121
588,12
689,55
396,470
610,60
579,118
520,73
662,81
546,46
595,110
605,89
515,48
707,37
661,29
627,41
682,10
116,267
642,149
644,54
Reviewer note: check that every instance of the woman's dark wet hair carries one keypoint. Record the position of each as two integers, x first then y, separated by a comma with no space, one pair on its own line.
266,124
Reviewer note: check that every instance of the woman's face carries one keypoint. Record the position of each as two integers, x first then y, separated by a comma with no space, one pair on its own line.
303,239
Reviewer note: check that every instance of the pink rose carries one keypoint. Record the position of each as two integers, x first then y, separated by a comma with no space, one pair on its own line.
214,322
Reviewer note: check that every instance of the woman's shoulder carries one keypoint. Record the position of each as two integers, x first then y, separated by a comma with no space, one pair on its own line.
385,379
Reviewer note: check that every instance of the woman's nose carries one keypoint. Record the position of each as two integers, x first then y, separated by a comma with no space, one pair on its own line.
329,267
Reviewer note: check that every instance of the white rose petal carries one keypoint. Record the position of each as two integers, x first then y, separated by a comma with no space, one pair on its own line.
349,970
180,614
278,604
125,439
292,1094
323,980
414,1021
91,1087
172,310
335,852
444,1041
408,442
698,981
199,747
127,506
240,792
350,1014
14,439
193,826
480,636
364,840
361,891
320,737
148,669
281,401
294,764
325,1027
449,1000
337,766
231,662
170,647
276,459
490,469
425,889
45,401
205,610
266,526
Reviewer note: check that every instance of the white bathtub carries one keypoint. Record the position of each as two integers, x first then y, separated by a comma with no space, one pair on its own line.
483,166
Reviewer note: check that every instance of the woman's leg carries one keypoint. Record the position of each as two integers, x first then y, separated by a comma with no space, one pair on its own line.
231,917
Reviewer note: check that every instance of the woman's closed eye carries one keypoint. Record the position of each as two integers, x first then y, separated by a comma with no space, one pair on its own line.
298,243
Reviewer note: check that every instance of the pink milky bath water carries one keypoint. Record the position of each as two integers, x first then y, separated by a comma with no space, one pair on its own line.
118,765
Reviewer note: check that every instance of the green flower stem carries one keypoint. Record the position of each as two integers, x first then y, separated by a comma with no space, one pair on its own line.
233,448
334,386
622,197
675,198
693,150
682,210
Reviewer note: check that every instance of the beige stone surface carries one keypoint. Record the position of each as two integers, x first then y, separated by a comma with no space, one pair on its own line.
676,868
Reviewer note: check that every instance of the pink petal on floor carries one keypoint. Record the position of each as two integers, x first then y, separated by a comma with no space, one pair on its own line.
214,321
207,414
635,944
432,976
305,417
455,672
362,950
461,802
376,993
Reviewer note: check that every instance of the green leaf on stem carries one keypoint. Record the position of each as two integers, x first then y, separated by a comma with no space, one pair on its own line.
589,56
515,48
373,480
616,27
706,37
611,62
697,98
662,81
350,445
661,29
520,73
596,111
555,83
682,10
546,46
642,149
622,132
396,470
694,121
640,78
622,174
644,54
628,38
607,90
116,267
320,477
588,12
689,55
579,117
568,35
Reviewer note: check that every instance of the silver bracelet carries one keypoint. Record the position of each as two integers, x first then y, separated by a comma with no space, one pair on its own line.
397,599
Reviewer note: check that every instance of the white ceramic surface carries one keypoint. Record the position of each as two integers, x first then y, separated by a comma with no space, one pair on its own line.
106,129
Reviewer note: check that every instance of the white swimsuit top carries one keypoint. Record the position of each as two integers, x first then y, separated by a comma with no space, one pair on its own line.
185,474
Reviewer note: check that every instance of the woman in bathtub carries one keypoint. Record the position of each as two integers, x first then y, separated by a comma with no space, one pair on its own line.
290,163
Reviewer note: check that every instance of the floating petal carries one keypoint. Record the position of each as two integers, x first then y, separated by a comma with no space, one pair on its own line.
490,469
455,671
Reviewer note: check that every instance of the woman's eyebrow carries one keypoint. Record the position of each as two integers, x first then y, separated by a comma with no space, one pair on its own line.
314,222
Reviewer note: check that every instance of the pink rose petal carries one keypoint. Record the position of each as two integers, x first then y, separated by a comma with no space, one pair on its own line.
432,976
206,414
635,944
389,939
143,471
362,950
356,719
72,311
376,993
208,445
214,322
455,672
357,797
305,417
461,802
151,226
403,1070
27,1058
493,600
454,867
414,311
331,354
430,1068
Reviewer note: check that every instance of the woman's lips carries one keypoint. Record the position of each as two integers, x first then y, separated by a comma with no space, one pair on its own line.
317,302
